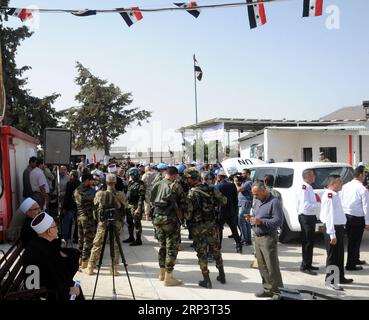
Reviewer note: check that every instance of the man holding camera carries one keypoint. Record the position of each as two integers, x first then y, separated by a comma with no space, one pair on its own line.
109,202
243,184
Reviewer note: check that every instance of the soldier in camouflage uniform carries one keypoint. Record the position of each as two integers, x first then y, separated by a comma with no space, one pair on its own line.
109,199
84,197
136,197
202,202
169,202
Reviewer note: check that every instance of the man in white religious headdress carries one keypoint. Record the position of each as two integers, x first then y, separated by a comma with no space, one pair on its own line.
56,266
30,208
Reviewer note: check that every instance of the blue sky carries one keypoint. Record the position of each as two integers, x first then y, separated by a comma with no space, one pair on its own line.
290,68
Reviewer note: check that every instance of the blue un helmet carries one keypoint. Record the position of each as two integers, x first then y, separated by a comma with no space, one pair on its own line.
134,173
162,166
181,168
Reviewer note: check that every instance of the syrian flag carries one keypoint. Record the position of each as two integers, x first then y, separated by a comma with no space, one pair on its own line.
188,6
198,70
84,13
256,12
131,16
23,14
313,8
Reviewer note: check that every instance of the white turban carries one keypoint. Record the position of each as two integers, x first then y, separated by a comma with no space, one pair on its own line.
26,205
42,222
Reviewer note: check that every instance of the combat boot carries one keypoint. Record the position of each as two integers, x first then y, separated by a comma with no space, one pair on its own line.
90,269
84,264
116,268
162,274
170,281
138,241
206,283
221,276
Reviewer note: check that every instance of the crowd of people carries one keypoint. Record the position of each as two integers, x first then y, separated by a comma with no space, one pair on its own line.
201,199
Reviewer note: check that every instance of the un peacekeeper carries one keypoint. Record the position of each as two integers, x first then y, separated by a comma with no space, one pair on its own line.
136,197
105,200
162,168
200,217
84,197
169,202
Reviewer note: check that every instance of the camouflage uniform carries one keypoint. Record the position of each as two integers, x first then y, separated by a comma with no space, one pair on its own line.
167,224
203,200
84,197
136,197
103,200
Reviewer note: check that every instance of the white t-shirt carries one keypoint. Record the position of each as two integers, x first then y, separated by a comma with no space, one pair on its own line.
37,179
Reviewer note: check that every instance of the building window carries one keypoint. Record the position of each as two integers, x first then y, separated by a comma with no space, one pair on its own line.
330,153
307,154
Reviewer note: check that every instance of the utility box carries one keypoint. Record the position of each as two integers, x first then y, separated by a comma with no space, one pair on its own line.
16,149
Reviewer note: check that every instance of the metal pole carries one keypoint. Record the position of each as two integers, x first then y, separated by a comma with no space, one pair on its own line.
194,75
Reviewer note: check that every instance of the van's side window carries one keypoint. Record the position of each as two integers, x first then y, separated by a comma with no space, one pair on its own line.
284,178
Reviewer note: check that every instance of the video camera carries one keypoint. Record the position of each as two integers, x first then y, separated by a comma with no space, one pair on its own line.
108,214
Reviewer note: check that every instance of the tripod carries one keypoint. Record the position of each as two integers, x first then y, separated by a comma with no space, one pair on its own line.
113,237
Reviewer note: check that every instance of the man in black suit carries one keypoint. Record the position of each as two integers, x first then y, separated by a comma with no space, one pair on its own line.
229,212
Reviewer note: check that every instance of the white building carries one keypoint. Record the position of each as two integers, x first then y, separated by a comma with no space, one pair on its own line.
344,143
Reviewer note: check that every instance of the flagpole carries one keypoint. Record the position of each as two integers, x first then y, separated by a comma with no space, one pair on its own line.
194,75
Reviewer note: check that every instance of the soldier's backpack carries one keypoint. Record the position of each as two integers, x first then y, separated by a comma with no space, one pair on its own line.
205,205
163,197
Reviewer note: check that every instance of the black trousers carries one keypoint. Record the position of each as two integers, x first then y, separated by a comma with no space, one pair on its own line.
355,229
336,253
307,239
233,225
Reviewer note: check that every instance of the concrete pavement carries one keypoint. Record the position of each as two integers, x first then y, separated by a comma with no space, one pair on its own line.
242,281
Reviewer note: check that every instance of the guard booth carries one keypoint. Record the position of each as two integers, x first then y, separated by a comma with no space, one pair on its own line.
16,149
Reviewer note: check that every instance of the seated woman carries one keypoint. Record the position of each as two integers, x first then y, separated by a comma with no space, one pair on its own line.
57,266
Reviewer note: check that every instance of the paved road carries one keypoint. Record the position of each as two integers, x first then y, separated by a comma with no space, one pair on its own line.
242,281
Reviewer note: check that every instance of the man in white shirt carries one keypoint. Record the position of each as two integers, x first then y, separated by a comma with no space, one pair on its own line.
39,185
334,219
307,207
355,203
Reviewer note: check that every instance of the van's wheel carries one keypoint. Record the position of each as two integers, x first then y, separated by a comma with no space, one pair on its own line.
286,234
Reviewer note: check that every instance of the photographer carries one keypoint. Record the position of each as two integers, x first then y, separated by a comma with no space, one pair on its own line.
243,184
109,202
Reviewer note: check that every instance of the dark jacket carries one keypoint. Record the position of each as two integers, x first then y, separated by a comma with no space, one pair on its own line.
69,202
56,272
27,233
229,190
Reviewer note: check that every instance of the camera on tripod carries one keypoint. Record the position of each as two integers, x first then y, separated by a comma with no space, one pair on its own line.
108,214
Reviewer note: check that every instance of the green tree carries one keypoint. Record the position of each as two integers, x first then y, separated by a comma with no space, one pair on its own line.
104,113
23,111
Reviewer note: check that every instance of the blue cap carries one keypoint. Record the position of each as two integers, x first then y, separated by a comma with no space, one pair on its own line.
181,168
162,166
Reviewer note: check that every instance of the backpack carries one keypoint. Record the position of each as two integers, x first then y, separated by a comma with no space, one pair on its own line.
204,204
163,198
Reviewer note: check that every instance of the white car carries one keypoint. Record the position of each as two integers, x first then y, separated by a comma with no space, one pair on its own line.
288,180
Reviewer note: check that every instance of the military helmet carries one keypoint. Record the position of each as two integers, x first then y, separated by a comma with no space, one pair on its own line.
191,173
133,172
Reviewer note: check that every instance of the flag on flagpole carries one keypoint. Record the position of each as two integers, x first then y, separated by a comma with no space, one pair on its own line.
256,13
198,70
312,8
132,16
84,13
188,6
23,14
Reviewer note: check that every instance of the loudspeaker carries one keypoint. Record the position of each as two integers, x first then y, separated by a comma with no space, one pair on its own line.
58,146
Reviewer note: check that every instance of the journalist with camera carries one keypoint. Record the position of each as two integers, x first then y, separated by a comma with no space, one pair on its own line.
110,206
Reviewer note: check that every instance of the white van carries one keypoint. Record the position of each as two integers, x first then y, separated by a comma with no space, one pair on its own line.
288,180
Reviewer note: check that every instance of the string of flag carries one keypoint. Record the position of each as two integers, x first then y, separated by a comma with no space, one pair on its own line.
255,8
